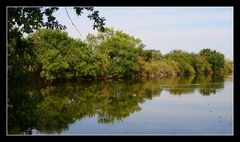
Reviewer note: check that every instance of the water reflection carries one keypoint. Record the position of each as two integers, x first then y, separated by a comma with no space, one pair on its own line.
50,109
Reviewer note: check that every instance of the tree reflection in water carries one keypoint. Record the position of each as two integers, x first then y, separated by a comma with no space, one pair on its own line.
50,109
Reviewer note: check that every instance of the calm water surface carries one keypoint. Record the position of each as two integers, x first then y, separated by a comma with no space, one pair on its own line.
193,105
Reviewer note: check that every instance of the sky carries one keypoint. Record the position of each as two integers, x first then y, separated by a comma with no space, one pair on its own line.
163,28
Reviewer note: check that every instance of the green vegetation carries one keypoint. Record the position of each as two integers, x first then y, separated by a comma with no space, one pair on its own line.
214,58
26,20
109,59
228,66
22,58
51,55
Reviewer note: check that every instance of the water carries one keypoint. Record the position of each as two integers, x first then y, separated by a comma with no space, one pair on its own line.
181,106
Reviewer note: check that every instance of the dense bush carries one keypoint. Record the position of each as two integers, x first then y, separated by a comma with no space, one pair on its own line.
200,64
214,58
184,61
54,56
120,49
228,67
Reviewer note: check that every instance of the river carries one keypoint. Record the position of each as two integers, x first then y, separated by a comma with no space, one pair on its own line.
181,106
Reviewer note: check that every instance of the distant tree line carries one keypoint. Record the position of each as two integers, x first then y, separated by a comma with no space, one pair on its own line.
51,55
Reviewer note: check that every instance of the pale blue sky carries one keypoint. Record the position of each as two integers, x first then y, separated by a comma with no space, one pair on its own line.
164,28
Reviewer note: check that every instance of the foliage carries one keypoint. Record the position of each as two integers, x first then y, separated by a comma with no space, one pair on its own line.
120,49
200,64
214,58
54,56
184,61
29,19
228,66
22,57
152,55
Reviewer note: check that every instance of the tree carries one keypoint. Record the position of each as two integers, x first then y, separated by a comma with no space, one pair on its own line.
120,48
214,58
29,19
228,66
200,64
57,54
152,55
184,61
51,55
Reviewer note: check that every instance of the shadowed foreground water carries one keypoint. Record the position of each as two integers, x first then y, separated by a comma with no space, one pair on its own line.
193,105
